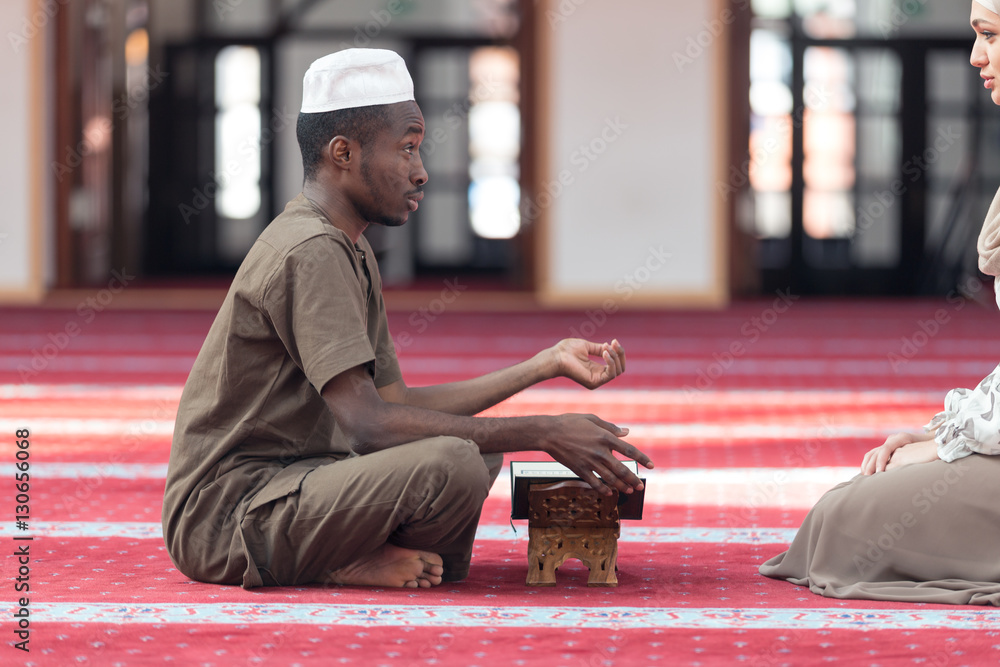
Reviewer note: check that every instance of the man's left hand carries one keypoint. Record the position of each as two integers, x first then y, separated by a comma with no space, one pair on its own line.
574,359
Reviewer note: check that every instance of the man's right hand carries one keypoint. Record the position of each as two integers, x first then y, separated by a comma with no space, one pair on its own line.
585,444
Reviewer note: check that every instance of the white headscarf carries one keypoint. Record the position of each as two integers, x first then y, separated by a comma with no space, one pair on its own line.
989,4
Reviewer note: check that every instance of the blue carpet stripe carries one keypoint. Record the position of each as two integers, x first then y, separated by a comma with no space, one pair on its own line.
612,618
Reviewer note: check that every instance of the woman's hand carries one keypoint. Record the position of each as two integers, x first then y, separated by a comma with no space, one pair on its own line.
898,450
915,452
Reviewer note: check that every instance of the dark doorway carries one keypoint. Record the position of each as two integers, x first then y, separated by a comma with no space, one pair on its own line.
864,169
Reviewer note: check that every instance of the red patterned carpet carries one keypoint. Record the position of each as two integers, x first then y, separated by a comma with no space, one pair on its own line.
750,415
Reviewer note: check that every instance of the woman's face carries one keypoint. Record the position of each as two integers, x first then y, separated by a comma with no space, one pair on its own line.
986,51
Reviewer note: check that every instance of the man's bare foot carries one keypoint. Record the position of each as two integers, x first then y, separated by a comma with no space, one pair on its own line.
392,566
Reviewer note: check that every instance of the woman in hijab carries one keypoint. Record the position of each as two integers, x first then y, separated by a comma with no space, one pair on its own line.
922,521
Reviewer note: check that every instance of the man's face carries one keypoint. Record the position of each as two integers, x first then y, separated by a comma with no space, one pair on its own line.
392,172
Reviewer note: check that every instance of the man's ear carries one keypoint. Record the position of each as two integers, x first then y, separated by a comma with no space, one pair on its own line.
341,152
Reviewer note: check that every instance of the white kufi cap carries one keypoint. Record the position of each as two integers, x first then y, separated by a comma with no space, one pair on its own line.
355,78
990,5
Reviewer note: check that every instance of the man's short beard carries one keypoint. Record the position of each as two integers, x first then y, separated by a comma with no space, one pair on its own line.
369,180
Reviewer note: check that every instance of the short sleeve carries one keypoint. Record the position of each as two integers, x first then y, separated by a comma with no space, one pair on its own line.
317,304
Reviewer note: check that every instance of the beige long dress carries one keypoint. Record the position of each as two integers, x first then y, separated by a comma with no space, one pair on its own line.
927,532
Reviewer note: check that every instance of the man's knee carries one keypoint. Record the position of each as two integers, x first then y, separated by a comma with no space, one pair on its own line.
451,447
465,454
455,465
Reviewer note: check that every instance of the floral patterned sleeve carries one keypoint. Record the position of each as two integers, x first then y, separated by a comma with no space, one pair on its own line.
970,422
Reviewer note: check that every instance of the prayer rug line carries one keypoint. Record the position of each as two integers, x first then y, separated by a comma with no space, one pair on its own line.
513,616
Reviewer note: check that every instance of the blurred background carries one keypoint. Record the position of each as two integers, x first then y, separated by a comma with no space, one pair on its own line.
581,153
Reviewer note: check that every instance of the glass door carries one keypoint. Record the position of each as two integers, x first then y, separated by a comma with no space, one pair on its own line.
861,155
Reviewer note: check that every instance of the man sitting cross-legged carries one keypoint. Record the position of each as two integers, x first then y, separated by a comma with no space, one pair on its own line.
299,453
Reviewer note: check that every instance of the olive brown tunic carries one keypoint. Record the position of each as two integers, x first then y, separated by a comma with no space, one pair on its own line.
262,487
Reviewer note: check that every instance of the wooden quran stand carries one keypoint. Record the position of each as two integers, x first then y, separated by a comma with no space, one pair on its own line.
571,520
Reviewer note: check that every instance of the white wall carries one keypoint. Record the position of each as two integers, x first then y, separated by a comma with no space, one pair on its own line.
23,26
633,145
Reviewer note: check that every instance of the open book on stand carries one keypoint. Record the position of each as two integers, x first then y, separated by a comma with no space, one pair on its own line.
525,473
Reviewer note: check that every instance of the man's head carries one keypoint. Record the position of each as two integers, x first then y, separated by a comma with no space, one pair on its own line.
315,131
360,131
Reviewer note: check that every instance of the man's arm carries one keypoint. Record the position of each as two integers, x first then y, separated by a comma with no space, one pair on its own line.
569,358
583,443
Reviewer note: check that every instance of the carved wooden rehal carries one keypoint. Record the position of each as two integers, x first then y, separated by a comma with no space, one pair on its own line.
571,520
